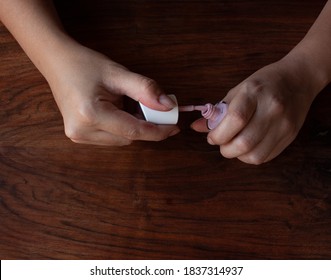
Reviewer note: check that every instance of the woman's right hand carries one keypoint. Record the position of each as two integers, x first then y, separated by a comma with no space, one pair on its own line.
88,88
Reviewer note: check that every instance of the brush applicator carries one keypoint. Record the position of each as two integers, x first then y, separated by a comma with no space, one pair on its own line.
214,114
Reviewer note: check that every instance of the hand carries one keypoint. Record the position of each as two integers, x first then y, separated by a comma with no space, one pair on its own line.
88,89
265,113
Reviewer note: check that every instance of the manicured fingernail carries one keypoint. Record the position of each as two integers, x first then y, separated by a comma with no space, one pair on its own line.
174,132
210,141
167,101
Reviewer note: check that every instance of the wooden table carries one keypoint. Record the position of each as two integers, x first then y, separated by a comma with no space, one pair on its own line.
177,199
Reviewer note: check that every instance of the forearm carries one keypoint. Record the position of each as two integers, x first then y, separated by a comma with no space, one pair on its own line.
37,28
314,51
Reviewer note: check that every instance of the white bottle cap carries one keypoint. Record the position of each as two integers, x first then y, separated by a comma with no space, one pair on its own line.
161,117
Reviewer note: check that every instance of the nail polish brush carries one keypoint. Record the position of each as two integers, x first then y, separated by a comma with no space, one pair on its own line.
214,114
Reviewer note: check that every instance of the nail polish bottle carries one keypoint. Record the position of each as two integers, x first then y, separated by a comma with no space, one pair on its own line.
214,114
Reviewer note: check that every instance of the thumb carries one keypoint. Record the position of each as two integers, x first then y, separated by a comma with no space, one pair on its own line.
200,125
139,88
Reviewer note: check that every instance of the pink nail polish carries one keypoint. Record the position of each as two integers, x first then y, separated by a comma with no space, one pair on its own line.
213,113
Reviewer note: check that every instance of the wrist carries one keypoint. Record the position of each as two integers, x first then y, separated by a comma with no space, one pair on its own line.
312,55
304,70
52,53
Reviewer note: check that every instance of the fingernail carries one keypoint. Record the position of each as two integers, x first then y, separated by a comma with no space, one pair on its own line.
174,132
167,101
210,141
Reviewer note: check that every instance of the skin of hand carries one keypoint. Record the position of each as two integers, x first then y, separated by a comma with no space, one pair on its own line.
264,115
88,87
267,110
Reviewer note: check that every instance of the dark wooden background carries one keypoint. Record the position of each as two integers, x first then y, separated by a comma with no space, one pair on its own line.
177,199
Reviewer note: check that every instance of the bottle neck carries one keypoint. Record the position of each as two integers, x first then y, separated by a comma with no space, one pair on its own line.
209,112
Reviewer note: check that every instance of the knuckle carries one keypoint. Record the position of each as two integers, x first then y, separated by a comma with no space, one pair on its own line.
277,105
224,153
255,159
289,128
244,144
87,115
83,118
149,85
73,132
253,86
238,117
132,133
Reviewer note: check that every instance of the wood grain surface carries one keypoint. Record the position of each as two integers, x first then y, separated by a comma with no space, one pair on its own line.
176,199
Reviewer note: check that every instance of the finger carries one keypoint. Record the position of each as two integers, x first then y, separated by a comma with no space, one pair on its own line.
122,124
241,109
271,146
261,152
280,134
139,88
249,137
280,147
200,125
102,138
